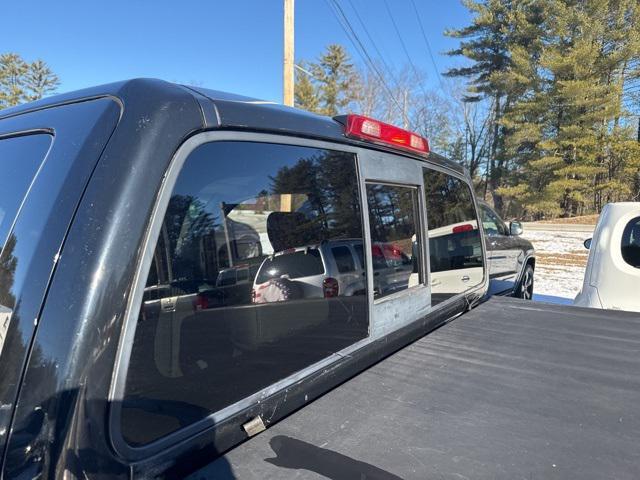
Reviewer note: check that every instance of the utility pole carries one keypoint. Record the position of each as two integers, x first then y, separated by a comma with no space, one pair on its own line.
288,53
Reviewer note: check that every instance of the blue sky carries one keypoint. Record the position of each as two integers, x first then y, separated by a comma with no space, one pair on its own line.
234,46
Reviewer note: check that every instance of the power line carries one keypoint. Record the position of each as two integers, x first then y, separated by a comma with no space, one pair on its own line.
426,41
359,46
382,59
404,47
347,27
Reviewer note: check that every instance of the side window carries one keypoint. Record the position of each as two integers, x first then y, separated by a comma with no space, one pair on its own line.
395,239
631,243
241,292
455,246
491,222
20,158
344,259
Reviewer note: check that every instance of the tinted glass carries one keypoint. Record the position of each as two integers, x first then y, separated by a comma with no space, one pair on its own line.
393,219
491,222
303,263
242,274
344,259
237,297
455,247
20,158
359,249
631,243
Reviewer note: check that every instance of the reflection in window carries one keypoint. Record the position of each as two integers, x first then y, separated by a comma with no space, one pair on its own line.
491,223
344,259
20,158
455,248
395,243
631,243
255,276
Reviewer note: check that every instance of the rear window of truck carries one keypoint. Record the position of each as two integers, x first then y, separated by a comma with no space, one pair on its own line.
295,265
20,158
256,212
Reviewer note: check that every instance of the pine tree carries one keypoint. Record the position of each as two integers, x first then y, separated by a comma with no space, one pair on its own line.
12,72
573,145
337,80
498,28
40,80
485,43
306,93
333,84
23,82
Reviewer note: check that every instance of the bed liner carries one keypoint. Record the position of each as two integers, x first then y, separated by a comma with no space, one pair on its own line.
512,389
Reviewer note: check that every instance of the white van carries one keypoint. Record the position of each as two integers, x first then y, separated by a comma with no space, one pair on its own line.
612,277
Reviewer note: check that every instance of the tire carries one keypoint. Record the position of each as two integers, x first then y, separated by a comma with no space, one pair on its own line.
525,287
280,290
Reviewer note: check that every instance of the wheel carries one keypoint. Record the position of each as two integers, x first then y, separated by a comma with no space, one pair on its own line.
525,288
280,290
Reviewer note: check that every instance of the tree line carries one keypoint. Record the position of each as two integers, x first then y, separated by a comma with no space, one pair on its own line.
543,111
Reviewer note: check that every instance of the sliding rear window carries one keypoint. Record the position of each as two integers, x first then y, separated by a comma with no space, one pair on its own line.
20,158
237,297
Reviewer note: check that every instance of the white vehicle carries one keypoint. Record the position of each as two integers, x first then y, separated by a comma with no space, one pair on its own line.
454,237
326,270
330,269
612,277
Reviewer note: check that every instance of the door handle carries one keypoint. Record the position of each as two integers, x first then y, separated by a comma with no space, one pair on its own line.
465,278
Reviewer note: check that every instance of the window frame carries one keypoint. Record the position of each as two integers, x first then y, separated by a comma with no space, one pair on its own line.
483,240
420,219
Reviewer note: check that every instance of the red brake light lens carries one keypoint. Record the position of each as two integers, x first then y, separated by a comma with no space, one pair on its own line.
201,302
330,287
364,128
467,227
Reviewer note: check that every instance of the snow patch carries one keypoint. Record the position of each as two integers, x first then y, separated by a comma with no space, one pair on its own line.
560,263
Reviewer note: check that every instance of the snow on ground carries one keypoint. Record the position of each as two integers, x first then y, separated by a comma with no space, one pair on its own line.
560,263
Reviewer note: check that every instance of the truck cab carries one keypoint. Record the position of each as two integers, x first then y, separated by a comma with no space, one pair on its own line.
135,221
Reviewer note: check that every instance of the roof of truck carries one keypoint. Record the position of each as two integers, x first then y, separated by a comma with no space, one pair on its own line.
220,110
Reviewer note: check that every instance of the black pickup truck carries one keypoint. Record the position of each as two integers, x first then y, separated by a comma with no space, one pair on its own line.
181,269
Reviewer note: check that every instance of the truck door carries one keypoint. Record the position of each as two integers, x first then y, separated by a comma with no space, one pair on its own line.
46,158
502,249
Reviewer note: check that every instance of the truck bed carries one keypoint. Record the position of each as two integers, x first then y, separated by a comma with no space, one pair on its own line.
512,389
